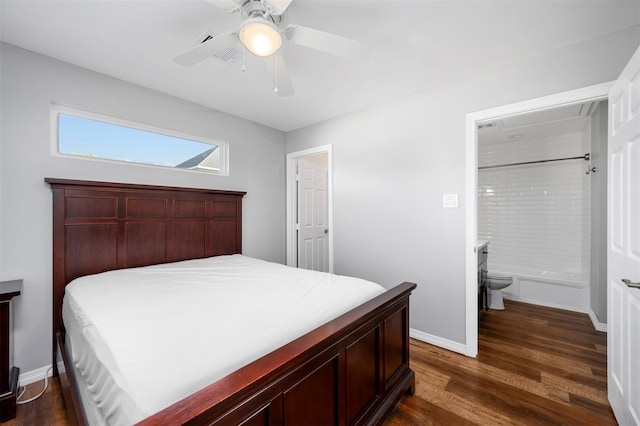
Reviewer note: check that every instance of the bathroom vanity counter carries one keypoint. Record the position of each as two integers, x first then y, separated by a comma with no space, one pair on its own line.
482,249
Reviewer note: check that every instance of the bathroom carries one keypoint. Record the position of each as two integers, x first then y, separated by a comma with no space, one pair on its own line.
542,207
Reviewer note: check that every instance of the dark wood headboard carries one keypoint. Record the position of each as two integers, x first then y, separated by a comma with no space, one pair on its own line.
100,226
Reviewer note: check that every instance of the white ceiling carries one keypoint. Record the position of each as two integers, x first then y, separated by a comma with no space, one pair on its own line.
417,45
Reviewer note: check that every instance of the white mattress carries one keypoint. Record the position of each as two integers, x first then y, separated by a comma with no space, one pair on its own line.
120,322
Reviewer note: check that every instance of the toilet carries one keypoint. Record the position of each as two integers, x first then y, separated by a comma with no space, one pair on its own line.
494,284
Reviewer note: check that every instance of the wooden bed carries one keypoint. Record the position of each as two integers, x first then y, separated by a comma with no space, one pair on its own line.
352,370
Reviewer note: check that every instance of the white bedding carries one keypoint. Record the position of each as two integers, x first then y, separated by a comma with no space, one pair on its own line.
145,338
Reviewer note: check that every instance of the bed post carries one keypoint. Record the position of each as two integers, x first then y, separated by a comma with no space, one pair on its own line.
58,271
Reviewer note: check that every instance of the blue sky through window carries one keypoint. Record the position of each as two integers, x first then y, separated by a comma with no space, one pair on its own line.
91,138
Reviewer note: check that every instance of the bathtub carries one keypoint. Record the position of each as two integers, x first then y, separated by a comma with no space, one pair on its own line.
564,290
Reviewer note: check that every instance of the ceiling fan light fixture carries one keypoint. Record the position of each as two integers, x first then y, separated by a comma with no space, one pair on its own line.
260,36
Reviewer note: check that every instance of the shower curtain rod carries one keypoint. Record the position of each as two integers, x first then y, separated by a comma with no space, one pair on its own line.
585,157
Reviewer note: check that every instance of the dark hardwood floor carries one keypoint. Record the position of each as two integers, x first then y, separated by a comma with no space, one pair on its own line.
536,366
48,410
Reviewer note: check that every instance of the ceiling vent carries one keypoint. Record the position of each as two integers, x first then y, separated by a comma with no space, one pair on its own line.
227,55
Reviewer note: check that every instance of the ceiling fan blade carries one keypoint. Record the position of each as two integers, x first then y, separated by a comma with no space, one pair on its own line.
327,42
279,74
229,6
206,49
279,6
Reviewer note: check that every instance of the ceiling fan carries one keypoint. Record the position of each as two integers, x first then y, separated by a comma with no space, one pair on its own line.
262,32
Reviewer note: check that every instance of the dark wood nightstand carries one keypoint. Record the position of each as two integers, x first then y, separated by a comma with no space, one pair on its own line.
8,375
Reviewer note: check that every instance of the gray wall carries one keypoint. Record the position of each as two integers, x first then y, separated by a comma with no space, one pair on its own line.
393,163
30,83
598,247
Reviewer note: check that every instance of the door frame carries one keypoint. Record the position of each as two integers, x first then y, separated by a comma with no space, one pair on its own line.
597,92
292,199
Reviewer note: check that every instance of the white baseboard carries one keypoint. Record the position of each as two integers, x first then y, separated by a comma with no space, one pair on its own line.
594,320
544,303
600,326
33,376
438,341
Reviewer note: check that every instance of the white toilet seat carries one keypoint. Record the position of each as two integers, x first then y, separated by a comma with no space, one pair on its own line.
498,282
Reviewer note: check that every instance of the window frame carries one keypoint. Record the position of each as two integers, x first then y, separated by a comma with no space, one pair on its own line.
57,109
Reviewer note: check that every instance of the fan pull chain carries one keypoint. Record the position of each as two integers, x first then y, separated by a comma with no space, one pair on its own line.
275,74
243,49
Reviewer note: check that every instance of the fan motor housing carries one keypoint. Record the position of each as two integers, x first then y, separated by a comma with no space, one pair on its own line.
256,9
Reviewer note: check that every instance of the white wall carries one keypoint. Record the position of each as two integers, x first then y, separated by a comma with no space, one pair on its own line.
30,83
393,163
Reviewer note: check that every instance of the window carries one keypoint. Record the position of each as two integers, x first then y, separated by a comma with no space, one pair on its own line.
90,136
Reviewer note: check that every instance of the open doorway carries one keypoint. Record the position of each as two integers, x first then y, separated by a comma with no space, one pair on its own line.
542,208
309,209
540,106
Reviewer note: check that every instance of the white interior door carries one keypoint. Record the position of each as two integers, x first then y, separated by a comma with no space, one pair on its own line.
623,310
313,227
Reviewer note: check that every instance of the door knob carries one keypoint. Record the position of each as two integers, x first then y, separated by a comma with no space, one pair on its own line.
326,231
630,284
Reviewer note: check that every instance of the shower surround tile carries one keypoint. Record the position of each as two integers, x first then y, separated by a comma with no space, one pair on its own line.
536,216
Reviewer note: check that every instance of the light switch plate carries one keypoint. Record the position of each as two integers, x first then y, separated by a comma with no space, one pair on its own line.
450,201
